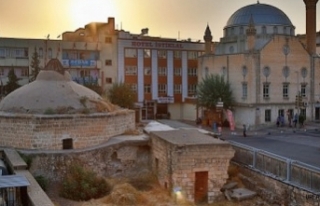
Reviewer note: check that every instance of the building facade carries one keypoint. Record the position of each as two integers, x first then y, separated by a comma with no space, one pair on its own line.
162,72
267,66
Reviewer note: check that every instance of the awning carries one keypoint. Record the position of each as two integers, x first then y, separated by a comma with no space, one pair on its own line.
13,181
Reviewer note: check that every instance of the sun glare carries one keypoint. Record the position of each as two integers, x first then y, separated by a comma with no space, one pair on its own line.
85,11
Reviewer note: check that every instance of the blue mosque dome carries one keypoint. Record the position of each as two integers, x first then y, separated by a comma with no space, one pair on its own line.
262,14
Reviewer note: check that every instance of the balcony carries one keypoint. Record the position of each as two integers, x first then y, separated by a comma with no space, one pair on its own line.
14,62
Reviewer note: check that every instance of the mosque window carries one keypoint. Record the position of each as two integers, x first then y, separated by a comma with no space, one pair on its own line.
275,30
267,115
284,30
285,90
291,31
264,30
266,90
244,90
232,31
40,52
231,49
49,53
67,143
206,71
241,31
303,90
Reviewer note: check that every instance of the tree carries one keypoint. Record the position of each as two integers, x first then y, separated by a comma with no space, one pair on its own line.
12,83
122,95
35,65
212,89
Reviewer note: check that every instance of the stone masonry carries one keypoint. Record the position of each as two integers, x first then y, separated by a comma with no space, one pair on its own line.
177,155
31,131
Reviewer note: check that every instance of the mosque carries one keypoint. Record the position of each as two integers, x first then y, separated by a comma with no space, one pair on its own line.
266,64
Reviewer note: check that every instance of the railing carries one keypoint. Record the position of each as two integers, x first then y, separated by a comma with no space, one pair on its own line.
290,171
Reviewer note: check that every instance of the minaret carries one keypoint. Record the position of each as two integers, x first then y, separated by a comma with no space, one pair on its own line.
251,34
208,40
311,6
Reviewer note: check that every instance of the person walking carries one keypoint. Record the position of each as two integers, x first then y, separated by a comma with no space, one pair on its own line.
244,130
295,120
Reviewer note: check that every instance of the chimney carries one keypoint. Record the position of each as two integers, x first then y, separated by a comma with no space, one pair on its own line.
311,6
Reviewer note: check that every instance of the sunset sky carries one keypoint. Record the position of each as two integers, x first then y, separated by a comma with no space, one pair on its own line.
164,18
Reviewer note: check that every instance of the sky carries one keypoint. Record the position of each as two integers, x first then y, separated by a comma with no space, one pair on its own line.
180,19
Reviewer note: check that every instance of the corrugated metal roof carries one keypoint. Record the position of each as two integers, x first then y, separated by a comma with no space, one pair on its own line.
13,181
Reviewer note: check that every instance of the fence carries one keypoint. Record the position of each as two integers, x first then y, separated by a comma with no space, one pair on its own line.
293,172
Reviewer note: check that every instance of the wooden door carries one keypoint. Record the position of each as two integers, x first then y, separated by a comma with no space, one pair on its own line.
201,187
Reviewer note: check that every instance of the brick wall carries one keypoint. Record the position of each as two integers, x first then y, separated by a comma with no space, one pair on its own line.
48,131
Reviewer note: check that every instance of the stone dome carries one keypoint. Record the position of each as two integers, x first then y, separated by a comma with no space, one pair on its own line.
53,91
262,14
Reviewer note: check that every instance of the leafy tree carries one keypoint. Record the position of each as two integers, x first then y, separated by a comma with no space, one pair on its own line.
12,83
122,95
212,89
35,65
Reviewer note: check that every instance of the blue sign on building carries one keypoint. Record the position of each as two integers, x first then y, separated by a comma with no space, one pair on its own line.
78,62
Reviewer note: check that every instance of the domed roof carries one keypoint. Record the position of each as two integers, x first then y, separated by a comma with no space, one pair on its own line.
262,14
53,91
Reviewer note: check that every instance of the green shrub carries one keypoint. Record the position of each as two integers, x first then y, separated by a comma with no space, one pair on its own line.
81,184
42,181
49,111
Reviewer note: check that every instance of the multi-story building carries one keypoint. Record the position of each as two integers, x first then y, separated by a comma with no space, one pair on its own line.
266,64
162,72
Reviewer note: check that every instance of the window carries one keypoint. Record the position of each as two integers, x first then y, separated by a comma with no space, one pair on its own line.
267,115
40,52
20,53
130,53
108,80
192,71
146,53
264,30
147,88
177,54
285,90
266,90
284,30
162,71
244,90
108,40
108,62
147,71
133,87
2,52
303,90
192,55
50,53
162,54
177,71
241,31
2,72
206,71
24,72
162,88
275,30
177,88
84,73
67,143
131,70
192,88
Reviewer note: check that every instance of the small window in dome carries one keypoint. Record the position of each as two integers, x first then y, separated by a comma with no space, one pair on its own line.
241,30
275,30
264,30
284,30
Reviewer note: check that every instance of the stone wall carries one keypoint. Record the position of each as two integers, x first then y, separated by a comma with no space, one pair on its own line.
118,160
274,191
176,166
48,131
